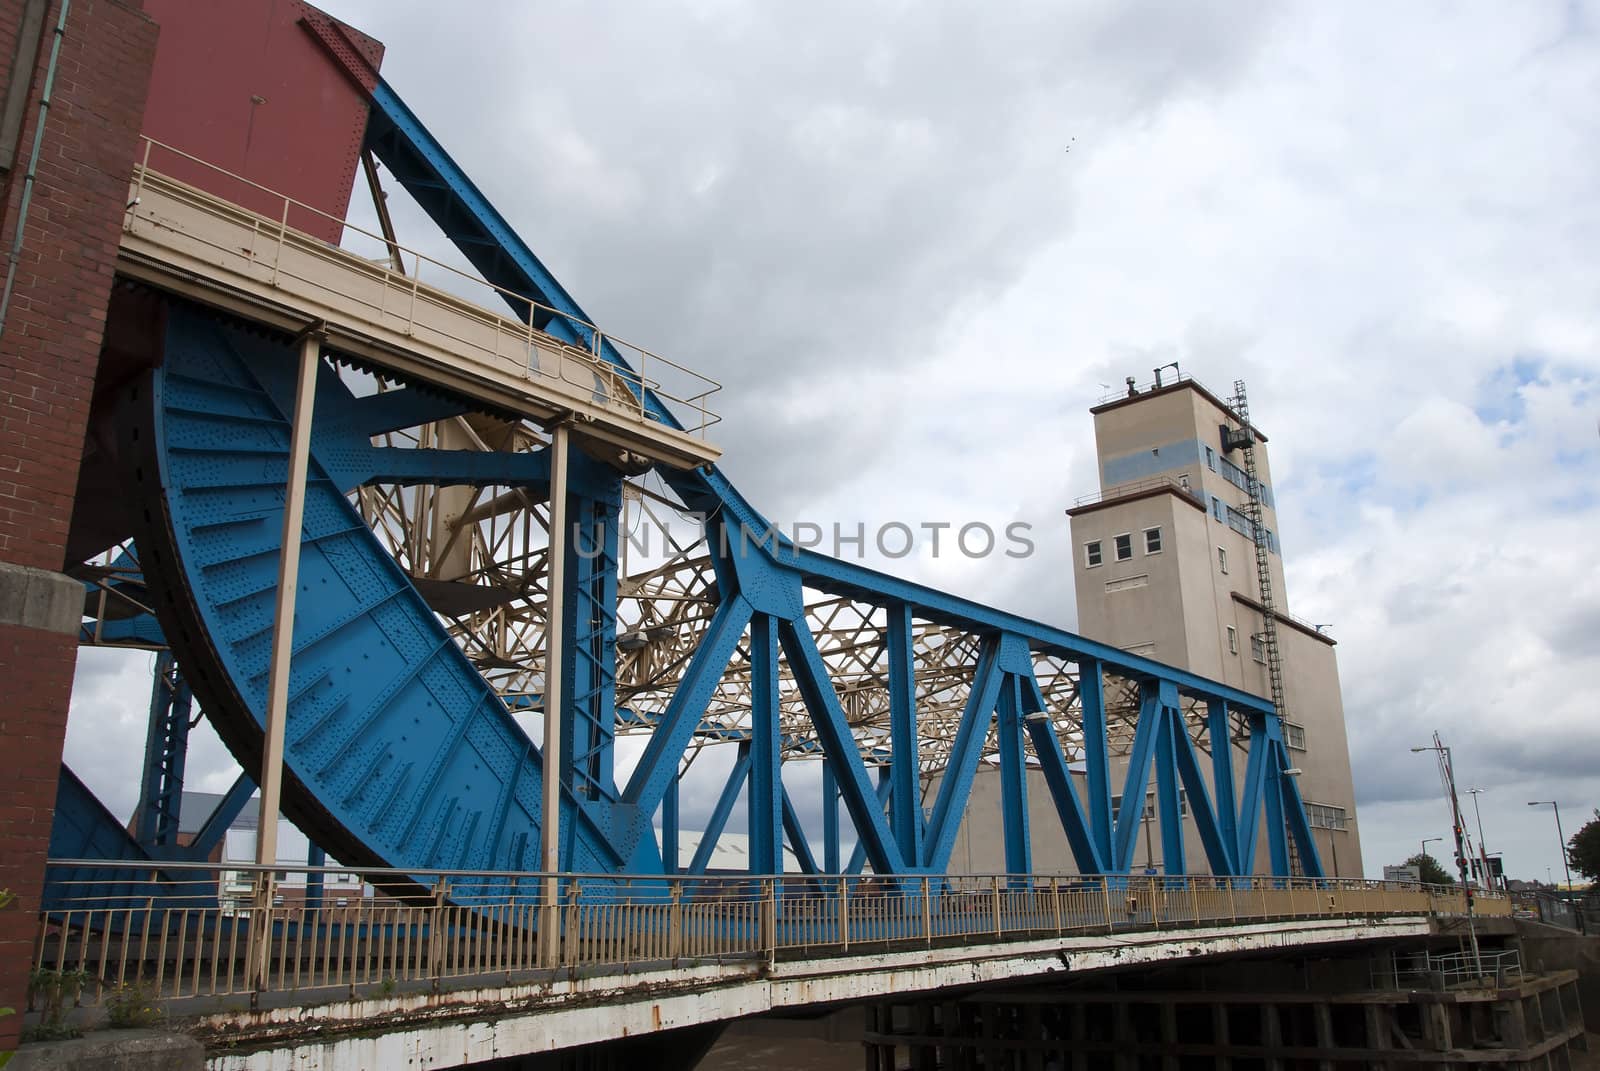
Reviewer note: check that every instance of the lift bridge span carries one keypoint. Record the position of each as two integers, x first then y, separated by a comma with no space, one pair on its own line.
467,474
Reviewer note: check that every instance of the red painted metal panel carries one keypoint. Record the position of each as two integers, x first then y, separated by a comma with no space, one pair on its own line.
242,84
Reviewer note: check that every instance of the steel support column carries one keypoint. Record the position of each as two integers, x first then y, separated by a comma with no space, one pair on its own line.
165,752
554,696
1013,778
1224,796
1168,801
1097,758
830,821
294,504
766,778
905,804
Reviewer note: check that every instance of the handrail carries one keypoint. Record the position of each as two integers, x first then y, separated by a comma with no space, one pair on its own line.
187,929
1138,488
640,380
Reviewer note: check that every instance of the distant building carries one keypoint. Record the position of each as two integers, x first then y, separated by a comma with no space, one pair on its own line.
1165,567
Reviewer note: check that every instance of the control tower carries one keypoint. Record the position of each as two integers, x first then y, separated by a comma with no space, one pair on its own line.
1168,564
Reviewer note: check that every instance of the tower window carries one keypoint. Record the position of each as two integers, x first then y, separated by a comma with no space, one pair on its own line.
1258,648
1222,561
1092,555
1294,735
1152,540
1211,459
1124,546
1233,640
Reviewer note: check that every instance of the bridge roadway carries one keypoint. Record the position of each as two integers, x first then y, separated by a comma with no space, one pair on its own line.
337,977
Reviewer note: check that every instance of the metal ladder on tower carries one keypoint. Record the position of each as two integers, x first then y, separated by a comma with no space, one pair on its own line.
1269,610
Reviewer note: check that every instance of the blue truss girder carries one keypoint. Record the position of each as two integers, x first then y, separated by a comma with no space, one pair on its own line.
839,748
962,766
415,763
165,755
1130,815
768,802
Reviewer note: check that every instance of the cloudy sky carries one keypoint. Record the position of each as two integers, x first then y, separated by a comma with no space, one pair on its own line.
918,241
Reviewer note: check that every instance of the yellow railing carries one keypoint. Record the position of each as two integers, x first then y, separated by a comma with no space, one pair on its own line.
390,289
187,930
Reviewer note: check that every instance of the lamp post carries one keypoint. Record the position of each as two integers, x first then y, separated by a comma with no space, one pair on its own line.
1447,776
1483,849
1427,841
1561,838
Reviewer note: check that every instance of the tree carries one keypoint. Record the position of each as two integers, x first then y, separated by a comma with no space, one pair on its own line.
1583,850
1430,869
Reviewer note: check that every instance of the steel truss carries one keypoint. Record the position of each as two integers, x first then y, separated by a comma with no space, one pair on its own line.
732,635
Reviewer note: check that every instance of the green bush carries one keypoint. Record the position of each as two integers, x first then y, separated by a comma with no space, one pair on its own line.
133,1005
55,992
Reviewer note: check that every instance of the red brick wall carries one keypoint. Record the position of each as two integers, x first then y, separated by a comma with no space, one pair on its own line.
37,667
51,343
48,356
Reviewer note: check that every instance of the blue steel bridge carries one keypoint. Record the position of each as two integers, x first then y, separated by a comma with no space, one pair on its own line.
442,652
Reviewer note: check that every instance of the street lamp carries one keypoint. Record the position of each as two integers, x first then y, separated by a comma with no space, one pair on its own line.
1483,849
1561,838
1427,841
1447,776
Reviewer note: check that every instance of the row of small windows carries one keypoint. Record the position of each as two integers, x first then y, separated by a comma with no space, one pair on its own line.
1323,816
1226,514
1235,475
1094,550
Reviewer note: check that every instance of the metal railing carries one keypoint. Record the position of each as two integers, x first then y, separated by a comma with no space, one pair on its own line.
204,930
404,299
1137,489
1430,970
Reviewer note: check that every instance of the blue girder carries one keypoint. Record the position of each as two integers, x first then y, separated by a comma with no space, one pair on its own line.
398,753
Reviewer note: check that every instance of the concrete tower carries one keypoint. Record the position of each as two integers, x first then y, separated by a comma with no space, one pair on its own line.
1165,566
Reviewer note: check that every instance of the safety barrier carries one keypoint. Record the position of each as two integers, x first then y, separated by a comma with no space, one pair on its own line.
196,930
388,292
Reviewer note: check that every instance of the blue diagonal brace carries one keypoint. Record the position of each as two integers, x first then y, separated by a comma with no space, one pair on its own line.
1220,730
795,833
839,746
858,854
1294,809
1131,814
1047,749
1219,846
221,817
963,761
719,814
659,763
